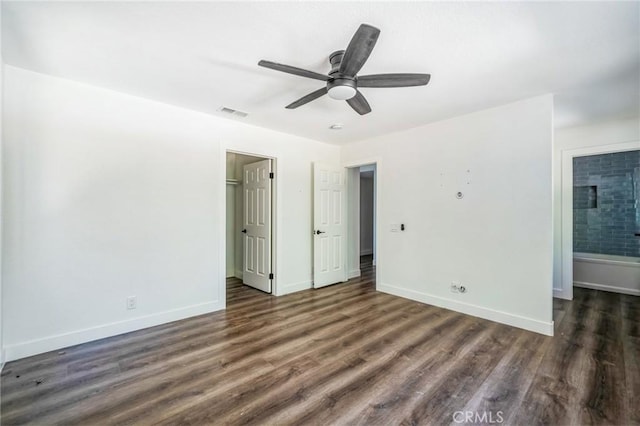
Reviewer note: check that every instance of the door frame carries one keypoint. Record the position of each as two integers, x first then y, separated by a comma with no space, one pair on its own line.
222,211
566,247
351,229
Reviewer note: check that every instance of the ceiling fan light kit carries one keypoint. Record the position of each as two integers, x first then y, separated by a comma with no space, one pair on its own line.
342,81
341,89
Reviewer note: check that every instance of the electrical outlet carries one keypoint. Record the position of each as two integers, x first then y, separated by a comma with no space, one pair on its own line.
132,303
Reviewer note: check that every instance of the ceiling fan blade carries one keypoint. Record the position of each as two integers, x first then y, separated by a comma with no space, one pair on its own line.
359,49
307,98
293,70
359,104
393,80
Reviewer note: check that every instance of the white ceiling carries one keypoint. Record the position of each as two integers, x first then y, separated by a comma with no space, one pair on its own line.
204,55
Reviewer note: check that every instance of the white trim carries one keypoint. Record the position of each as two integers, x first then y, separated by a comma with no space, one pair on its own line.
557,293
222,226
354,274
353,217
567,206
46,344
292,288
530,324
363,162
604,287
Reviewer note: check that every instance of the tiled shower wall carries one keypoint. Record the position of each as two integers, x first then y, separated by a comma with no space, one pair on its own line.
606,206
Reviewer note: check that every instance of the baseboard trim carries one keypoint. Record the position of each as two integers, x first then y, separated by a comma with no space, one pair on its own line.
605,287
558,293
51,343
238,274
530,324
366,252
292,288
354,274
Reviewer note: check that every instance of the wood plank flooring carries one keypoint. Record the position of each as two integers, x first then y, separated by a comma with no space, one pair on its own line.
343,354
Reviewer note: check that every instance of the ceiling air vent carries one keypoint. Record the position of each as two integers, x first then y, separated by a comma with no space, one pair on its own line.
232,111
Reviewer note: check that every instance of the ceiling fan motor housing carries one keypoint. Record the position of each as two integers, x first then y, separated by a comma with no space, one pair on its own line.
335,59
339,86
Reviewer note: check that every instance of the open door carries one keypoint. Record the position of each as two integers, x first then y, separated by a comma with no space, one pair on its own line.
256,268
329,220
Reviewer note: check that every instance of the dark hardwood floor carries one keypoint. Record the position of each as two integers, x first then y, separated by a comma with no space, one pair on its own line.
343,354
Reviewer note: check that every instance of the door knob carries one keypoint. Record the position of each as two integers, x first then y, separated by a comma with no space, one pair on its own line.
244,231
318,232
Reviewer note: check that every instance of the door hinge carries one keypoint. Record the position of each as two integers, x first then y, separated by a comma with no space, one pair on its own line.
271,275
270,175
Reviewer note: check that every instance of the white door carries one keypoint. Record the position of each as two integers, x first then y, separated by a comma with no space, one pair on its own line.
256,264
329,221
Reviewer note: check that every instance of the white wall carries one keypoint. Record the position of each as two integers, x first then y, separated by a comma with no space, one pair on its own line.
366,215
593,135
497,240
108,195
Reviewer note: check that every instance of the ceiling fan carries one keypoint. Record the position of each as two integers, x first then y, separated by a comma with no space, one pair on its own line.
343,81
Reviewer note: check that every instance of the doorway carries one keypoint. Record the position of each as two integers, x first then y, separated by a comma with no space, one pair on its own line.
367,214
362,207
606,222
250,182
585,194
